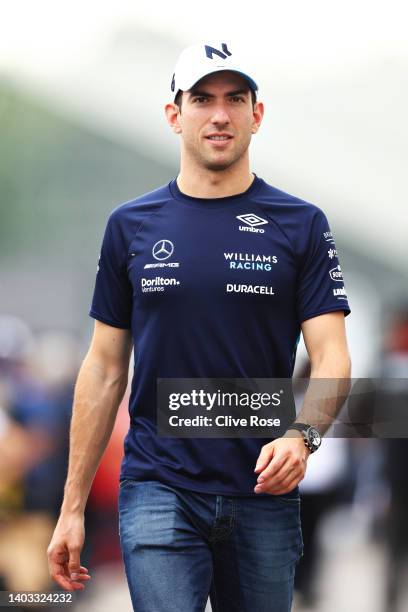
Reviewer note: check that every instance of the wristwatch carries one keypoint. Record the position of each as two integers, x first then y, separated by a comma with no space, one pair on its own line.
311,435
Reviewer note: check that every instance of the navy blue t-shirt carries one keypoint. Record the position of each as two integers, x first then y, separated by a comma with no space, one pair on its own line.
211,288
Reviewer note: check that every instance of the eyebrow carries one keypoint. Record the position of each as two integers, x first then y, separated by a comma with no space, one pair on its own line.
206,94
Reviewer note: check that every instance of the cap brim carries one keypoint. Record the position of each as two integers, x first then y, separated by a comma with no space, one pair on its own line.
188,84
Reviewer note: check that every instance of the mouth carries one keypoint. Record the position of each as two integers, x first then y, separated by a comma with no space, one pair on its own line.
219,139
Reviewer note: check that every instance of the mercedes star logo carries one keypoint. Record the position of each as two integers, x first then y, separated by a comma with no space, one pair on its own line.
163,249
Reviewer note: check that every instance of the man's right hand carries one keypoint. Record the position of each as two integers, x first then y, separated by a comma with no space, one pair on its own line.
64,553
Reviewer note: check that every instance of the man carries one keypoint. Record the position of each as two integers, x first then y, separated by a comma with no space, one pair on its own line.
211,276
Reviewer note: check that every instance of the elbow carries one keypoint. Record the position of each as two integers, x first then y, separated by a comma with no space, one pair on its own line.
109,374
116,379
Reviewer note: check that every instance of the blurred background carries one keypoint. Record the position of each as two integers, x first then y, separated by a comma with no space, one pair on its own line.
82,129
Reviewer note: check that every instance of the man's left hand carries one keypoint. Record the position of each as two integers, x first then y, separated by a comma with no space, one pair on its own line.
281,465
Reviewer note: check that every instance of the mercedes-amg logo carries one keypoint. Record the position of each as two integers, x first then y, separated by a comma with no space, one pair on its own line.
163,249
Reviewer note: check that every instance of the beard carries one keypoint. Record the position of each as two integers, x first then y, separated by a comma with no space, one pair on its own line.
218,166
210,162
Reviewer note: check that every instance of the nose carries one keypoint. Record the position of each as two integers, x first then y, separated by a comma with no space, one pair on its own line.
220,115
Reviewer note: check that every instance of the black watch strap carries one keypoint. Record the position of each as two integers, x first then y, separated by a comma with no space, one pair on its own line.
299,426
306,429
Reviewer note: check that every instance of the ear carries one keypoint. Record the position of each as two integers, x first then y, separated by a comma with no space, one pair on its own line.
172,115
258,114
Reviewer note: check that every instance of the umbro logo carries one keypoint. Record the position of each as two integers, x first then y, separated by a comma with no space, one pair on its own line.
252,222
251,219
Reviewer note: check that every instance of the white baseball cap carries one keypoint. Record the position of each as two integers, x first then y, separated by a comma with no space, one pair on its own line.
197,61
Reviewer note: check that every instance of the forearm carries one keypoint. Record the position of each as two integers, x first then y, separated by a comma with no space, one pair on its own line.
328,388
98,393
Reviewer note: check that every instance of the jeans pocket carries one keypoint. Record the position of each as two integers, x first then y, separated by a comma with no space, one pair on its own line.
125,482
289,498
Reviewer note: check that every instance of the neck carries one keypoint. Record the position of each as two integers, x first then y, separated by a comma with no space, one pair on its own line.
203,183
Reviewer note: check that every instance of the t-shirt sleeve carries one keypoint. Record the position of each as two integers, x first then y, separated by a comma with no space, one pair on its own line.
112,298
321,286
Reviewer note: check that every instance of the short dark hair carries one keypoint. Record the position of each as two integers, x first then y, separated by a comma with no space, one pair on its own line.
179,98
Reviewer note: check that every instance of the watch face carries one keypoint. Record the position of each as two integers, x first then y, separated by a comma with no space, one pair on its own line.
314,436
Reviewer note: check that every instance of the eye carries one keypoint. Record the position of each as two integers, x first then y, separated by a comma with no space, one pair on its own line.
237,99
200,99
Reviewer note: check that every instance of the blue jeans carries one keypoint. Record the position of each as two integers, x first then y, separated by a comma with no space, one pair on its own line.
180,546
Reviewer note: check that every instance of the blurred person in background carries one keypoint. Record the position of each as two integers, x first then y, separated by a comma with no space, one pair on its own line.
327,485
394,403
182,534
378,408
36,379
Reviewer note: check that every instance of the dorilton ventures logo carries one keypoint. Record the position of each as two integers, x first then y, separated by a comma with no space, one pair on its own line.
252,222
262,289
250,261
159,283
